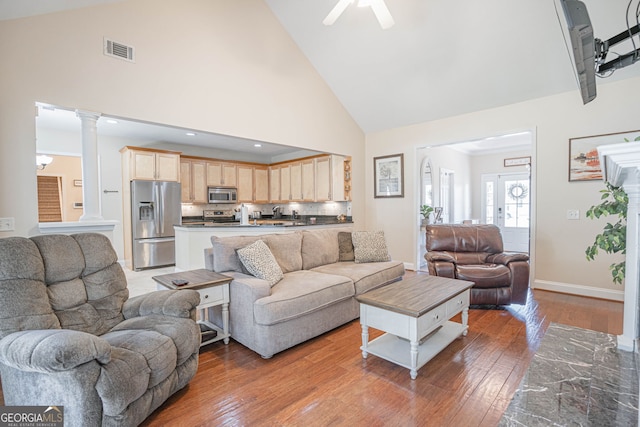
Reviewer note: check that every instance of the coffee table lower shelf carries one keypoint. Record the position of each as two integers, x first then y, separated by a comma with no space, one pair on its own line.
398,350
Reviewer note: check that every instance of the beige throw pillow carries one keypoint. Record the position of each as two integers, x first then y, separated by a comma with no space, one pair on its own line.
260,262
370,246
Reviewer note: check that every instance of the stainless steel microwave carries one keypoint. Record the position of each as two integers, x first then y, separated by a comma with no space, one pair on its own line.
223,195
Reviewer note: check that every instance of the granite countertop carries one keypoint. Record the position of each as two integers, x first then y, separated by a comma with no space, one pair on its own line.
284,221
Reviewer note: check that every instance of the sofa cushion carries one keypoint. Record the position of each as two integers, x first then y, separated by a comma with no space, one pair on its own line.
485,275
345,246
370,246
260,262
22,288
123,380
319,247
158,351
365,276
286,249
184,333
225,257
300,293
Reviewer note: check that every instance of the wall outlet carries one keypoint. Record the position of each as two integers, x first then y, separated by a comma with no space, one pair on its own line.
573,214
7,224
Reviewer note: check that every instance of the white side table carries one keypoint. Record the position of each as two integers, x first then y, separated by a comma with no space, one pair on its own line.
214,291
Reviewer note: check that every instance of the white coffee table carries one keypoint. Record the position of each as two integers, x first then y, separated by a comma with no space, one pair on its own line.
415,313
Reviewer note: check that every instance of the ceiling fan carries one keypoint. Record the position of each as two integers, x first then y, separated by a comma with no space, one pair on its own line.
378,6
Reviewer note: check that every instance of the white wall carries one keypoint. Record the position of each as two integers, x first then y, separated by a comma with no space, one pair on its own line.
226,67
559,243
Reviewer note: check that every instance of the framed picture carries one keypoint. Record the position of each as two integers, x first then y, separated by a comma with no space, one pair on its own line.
584,163
388,176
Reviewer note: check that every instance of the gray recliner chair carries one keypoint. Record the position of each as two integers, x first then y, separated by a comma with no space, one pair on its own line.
70,336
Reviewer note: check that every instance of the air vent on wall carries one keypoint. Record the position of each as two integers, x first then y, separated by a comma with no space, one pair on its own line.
119,50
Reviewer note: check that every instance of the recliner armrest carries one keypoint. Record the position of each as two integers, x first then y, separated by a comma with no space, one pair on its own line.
175,303
506,257
52,350
433,256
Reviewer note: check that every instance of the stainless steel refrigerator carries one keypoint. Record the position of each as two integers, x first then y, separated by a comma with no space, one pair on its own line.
155,209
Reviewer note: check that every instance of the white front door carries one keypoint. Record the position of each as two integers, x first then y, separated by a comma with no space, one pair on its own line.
506,203
513,210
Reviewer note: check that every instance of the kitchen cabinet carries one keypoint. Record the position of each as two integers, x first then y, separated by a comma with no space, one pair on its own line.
261,184
152,165
330,178
221,174
274,184
245,183
193,179
295,177
308,180
285,183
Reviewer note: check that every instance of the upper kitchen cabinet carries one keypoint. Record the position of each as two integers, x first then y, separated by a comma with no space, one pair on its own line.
274,184
308,180
261,184
149,164
245,183
221,174
330,174
295,179
193,179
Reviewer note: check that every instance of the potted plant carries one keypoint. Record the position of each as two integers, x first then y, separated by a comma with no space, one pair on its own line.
425,210
613,239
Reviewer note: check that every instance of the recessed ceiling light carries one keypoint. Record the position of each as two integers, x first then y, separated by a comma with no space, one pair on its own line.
112,121
190,134
257,145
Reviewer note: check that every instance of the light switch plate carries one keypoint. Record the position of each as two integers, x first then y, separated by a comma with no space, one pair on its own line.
573,214
7,224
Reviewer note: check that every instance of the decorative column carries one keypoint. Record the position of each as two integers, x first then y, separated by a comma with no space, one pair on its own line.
90,180
621,167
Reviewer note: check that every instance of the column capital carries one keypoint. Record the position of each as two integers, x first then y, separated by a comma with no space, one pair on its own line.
84,114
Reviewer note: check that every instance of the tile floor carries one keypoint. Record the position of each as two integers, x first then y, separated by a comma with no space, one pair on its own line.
577,378
140,282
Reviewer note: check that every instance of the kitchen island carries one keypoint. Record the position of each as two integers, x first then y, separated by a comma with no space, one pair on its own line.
193,237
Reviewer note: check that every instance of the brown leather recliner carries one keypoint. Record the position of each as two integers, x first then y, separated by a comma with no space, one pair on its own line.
475,253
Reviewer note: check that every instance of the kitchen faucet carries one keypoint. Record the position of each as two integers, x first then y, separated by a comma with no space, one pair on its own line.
276,212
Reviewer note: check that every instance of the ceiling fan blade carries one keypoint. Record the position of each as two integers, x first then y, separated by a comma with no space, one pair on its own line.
336,12
382,14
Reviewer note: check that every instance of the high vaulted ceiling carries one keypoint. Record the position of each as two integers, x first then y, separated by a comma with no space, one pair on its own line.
441,58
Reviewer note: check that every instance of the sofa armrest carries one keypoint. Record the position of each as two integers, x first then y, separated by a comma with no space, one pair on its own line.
175,303
505,258
433,256
52,350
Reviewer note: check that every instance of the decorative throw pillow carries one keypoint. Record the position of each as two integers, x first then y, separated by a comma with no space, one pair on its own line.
260,262
345,246
370,246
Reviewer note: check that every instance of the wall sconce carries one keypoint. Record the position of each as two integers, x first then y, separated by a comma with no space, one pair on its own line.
43,160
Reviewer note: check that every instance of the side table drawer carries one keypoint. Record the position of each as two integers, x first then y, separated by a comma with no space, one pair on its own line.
213,295
457,303
429,320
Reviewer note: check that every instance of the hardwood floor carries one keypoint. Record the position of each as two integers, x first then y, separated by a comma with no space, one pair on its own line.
325,381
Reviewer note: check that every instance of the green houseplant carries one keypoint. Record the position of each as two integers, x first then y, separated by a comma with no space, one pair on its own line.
613,239
426,210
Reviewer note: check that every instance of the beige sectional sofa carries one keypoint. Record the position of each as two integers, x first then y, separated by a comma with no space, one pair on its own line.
316,294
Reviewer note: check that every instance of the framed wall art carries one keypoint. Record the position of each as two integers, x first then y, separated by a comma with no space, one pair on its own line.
584,163
388,176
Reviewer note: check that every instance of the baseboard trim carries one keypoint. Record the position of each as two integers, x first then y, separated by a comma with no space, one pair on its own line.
585,291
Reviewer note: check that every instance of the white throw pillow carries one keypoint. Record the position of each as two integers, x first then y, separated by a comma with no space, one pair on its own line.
369,246
260,262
